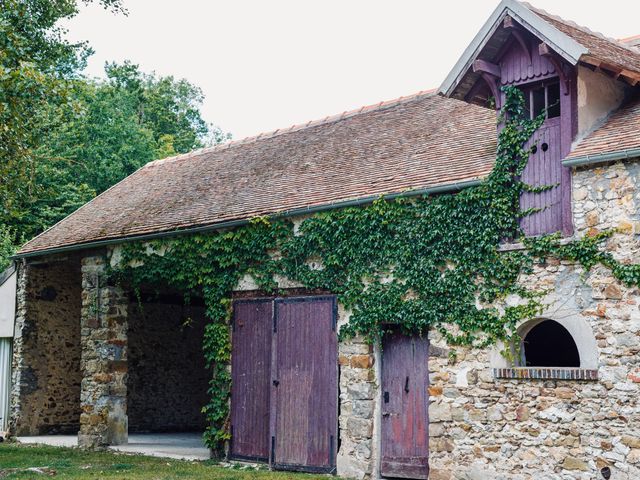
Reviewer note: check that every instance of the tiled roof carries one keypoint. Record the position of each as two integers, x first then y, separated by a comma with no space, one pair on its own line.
416,142
609,51
620,132
633,41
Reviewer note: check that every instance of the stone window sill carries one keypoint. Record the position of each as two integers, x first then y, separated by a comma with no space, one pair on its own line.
518,246
545,373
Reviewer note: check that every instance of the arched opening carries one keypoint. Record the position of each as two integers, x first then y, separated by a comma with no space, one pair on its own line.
549,344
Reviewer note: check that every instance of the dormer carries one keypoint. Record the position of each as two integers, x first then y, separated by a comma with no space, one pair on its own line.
576,76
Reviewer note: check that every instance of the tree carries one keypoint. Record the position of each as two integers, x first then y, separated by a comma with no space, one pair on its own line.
104,132
64,138
36,63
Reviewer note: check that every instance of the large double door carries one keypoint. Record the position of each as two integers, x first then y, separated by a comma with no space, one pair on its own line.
284,395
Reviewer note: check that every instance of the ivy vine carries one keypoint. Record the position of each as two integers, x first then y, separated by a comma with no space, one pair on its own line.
429,262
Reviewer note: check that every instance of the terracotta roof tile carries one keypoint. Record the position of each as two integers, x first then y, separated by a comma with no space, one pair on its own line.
619,132
415,142
608,50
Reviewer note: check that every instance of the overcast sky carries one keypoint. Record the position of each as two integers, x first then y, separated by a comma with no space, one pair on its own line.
265,65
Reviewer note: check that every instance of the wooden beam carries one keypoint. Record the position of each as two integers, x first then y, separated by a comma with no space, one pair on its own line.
490,73
554,58
615,70
514,29
482,66
478,89
495,89
509,22
545,50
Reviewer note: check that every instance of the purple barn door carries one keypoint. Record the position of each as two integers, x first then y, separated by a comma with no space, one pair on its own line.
544,168
304,418
405,420
250,371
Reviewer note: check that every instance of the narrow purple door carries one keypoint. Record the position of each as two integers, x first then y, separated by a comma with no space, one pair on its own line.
544,168
250,372
405,420
304,419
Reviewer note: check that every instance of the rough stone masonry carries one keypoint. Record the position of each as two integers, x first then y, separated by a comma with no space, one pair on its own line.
482,427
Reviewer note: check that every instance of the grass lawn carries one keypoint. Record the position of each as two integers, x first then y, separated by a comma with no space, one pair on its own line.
40,462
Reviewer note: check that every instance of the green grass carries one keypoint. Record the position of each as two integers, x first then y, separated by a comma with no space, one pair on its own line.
72,463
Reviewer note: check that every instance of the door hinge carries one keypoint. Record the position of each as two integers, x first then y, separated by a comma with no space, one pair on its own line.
275,316
273,449
334,320
331,450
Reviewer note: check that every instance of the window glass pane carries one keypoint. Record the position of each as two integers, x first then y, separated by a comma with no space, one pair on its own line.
553,100
537,101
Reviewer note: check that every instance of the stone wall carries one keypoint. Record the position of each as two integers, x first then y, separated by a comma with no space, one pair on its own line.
358,406
104,367
168,382
46,377
487,428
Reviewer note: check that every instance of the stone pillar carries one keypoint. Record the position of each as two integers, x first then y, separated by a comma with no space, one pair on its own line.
22,381
104,358
358,394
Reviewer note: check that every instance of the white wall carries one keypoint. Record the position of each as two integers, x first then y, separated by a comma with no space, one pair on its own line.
5,382
598,95
7,305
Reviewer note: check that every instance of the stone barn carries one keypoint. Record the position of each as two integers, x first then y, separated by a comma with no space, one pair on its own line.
96,359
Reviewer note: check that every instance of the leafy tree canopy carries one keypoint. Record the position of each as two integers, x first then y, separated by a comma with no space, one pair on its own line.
65,138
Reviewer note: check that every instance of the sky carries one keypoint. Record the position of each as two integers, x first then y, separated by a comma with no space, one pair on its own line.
264,65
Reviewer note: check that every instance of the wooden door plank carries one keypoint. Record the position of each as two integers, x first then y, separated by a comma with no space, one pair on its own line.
304,416
250,372
405,421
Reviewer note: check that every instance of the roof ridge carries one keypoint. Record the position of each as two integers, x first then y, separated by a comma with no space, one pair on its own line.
579,27
295,127
629,38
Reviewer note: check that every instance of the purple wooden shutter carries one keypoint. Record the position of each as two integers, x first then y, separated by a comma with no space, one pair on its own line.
250,371
405,419
544,168
304,421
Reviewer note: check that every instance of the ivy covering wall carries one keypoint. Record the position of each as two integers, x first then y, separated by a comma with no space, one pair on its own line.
430,262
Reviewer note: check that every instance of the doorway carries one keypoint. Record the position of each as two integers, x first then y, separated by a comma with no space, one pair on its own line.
284,398
405,419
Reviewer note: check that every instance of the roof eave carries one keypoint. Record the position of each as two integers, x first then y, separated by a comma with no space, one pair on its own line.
434,190
585,160
561,43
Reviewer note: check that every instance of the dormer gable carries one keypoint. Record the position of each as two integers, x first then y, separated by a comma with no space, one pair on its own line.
572,75
565,40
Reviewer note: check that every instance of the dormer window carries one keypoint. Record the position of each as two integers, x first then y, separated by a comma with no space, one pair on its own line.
543,98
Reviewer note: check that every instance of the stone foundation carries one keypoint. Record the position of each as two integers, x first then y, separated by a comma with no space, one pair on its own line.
45,397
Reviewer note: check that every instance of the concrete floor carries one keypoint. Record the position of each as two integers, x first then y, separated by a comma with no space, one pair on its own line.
184,446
